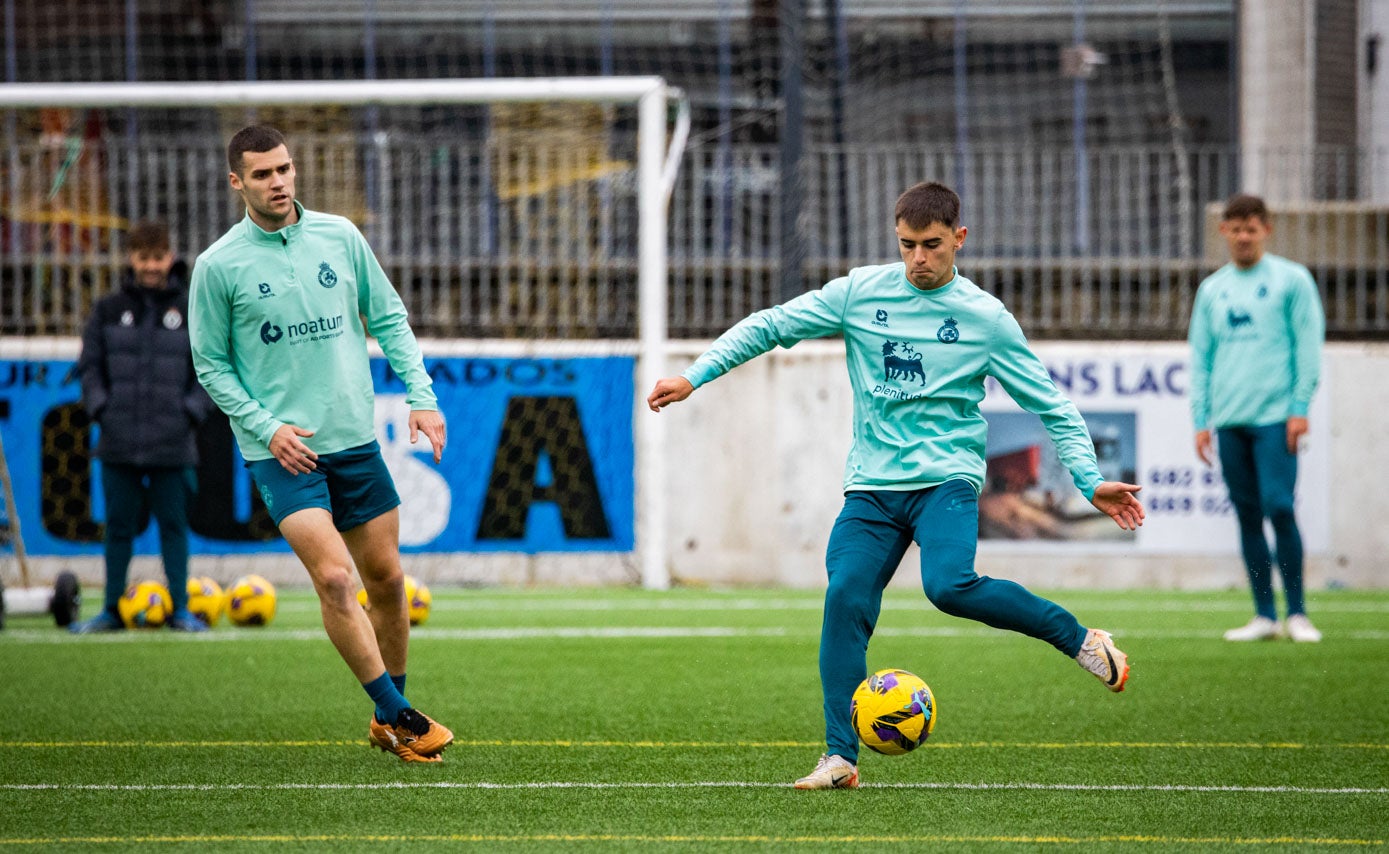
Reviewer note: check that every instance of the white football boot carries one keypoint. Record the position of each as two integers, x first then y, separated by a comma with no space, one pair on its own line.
1101,657
1257,629
1301,630
831,772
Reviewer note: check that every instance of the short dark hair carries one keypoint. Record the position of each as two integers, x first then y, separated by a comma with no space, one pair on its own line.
148,235
926,203
255,138
1243,206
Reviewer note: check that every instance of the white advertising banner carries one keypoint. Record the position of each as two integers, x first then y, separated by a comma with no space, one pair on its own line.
1134,400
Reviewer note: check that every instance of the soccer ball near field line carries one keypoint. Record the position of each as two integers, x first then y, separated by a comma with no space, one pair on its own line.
417,600
206,600
893,711
145,605
251,601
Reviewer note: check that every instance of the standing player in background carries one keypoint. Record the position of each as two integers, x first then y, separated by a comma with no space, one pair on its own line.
278,306
139,387
1256,336
920,341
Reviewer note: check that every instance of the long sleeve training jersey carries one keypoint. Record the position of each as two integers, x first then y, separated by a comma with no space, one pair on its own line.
276,324
917,363
1256,340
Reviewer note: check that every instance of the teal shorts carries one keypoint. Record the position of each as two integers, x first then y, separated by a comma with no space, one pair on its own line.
354,485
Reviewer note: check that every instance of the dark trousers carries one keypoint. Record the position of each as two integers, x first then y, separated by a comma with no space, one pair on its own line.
868,541
1261,475
165,492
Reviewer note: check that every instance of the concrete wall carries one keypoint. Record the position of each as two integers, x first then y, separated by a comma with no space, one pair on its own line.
757,461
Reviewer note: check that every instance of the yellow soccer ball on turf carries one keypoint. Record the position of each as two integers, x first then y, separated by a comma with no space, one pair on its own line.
893,712
417,600
251,601
206,600
145,605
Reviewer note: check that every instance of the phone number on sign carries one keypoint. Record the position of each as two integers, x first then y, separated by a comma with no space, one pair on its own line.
1183,491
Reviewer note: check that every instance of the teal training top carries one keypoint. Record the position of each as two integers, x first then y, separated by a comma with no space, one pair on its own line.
917,362
1256,338
276,322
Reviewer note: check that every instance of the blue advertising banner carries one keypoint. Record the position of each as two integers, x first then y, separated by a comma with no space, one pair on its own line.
539,458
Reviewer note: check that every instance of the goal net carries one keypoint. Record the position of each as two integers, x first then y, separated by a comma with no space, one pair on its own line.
523,222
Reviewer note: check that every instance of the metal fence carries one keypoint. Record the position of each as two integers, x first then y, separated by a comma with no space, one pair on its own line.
490,243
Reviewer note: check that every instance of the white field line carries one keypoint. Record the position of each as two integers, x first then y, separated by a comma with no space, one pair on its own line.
816,603
715,745
713,840
708,784
48,635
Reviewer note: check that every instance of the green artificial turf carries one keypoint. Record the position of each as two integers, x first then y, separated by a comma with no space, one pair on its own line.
636,720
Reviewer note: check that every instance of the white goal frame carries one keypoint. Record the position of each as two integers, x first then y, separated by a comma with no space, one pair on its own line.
656,171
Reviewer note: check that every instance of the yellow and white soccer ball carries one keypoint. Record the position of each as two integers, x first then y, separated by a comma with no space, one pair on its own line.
206,600
251,601
145,605
417,600
893,712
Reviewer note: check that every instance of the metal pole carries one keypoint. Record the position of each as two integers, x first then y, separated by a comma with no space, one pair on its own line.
374,136
12,510
725,143
251,46
1082,165
12,157
839,30
790,20
651,287
961,42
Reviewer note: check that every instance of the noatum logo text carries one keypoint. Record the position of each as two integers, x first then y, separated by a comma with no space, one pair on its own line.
311,330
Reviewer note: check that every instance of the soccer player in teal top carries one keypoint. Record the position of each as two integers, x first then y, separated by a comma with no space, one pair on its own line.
920,340
1256,336
276,321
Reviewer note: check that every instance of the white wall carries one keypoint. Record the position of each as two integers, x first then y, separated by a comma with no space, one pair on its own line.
760,460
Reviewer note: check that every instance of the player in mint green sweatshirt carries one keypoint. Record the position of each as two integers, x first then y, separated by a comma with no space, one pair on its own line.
920,340
276,317
1256,337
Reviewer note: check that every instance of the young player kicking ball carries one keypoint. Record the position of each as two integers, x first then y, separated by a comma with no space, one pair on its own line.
917,462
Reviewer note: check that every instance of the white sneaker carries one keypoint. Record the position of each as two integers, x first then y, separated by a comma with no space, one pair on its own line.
1301,630
1259,628
831,772
1101,657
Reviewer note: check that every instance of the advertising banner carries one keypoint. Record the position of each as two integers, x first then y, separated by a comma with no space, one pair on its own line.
539,458
1134,400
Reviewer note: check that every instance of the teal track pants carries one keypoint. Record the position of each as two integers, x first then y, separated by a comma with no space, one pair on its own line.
868,541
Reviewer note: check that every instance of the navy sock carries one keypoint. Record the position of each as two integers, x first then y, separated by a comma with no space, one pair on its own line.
389,701
399,683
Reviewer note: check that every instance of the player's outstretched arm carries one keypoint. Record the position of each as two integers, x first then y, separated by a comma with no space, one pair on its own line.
668,391
1119,502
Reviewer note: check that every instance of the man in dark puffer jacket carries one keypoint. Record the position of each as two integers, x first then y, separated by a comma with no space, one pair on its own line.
138,385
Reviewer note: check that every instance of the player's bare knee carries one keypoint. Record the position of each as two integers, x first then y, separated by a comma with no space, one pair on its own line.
335,587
